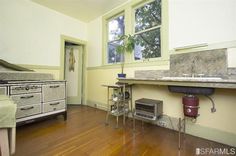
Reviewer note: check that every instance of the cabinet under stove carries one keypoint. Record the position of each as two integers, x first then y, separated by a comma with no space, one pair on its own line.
36,99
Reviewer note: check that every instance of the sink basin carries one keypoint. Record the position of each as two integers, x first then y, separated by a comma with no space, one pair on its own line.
191,78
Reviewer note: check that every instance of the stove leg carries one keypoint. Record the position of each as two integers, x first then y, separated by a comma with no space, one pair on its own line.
65,115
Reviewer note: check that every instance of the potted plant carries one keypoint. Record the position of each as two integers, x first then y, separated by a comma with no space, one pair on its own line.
127,46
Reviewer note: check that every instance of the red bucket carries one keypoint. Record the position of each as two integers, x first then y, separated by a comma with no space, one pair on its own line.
190,105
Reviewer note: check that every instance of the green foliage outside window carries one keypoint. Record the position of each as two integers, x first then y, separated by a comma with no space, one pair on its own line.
147,31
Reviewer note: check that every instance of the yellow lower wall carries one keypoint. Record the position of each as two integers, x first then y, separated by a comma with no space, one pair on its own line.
221,124
55,70
97,77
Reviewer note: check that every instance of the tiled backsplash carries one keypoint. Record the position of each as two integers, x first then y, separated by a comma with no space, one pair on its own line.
209,63
150,73
232,73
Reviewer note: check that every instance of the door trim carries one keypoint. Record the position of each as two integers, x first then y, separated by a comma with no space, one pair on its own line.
83,43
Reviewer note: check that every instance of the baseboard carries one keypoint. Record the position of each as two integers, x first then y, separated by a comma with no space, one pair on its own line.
191,128
211,134
98,105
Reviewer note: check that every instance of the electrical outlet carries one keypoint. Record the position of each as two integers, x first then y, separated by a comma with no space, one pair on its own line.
162,123
168,122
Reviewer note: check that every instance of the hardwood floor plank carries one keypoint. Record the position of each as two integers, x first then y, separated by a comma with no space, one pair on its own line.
85,134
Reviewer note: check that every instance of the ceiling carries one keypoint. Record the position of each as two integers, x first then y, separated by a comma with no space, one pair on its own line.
83,10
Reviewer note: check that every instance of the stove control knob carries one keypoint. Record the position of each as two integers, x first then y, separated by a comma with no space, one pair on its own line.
26,87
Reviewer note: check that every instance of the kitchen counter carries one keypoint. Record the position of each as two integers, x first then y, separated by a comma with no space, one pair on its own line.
216,83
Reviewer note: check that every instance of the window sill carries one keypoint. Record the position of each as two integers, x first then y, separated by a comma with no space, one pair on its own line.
133,64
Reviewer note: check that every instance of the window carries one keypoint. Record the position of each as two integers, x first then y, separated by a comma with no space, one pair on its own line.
115,28
147,20
147,30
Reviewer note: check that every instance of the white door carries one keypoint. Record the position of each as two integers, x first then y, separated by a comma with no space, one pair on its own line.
73,73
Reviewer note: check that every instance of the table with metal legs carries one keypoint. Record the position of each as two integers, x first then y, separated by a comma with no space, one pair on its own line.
118,102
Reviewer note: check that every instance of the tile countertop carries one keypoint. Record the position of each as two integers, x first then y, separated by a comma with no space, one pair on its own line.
212,83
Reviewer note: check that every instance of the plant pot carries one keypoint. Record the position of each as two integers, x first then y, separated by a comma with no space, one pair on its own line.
121,75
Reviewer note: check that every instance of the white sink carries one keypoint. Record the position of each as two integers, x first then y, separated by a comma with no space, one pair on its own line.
191,78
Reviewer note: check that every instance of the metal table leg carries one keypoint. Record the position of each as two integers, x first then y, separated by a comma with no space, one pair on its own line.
124,105
117,121
133,124
108,107
182,125
131,99
179,133
124,119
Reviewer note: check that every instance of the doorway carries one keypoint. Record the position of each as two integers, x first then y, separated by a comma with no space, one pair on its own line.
72,68
73,72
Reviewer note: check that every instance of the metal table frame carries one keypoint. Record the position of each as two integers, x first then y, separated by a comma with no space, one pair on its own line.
122,88
181,127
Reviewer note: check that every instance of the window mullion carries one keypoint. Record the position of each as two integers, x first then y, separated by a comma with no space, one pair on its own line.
113,41
146,30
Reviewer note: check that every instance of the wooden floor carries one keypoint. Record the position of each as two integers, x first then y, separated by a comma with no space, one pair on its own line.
84,134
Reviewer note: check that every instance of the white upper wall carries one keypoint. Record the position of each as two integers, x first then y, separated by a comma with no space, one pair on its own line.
95,43
201,21
30,33
190,22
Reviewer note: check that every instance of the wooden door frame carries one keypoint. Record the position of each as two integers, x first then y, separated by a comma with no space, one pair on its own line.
83,43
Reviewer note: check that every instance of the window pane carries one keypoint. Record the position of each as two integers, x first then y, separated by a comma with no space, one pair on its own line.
148,45
116,28
148,16
113,56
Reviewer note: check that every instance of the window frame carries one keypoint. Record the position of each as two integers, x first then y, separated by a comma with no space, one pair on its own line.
139,5
128,9
107,35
